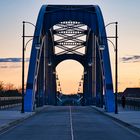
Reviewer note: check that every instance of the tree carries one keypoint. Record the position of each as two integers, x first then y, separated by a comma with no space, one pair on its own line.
10,86
1,86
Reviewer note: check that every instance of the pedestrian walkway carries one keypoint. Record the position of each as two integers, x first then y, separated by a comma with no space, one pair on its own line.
127,117
13,116
9,118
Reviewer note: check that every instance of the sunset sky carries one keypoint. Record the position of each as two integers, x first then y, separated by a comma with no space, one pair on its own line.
126,12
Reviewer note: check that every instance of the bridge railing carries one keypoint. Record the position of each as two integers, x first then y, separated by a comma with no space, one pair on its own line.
7,102
131,103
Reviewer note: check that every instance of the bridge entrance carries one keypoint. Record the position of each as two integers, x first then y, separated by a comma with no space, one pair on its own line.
69,32
69,81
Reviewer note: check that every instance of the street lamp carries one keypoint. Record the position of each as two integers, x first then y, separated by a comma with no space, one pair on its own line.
116,60
23,57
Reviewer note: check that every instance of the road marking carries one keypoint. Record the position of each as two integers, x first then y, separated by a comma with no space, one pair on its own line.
71,125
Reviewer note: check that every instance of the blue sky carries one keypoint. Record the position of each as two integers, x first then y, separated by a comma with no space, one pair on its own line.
126,12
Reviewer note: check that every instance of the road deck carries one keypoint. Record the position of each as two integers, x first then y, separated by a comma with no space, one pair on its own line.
69,123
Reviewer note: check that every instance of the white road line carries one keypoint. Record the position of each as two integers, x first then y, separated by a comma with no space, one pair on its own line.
71,125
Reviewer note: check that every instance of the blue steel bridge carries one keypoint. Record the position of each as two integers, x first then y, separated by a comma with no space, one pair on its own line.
74,32
69,32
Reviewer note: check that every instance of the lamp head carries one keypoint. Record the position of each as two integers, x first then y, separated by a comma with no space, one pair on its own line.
102,47
37,46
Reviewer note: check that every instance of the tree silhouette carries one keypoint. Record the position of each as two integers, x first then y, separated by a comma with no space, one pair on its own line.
1,86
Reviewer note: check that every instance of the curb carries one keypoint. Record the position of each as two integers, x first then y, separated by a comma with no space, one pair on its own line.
125,124
14,123
20,120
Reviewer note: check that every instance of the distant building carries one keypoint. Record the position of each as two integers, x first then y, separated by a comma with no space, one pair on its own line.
132,92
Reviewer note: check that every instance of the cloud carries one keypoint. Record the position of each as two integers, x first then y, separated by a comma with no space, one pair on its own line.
11,63
13,60
3,67
131,59
6,66
18,66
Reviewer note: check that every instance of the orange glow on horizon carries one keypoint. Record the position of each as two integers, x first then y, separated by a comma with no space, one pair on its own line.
70,72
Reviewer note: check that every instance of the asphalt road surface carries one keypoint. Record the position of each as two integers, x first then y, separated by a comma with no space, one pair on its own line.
69,123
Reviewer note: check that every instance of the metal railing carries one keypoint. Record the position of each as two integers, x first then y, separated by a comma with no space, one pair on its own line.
131,103
7,102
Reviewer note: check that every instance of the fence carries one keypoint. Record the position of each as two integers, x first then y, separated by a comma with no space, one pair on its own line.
131,103
7,102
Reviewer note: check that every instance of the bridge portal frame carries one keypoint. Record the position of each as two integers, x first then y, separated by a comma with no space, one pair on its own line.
98,77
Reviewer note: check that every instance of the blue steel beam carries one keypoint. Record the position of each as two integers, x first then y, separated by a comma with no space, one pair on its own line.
29,96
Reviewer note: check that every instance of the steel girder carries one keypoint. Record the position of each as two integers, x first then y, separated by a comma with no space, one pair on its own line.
41,81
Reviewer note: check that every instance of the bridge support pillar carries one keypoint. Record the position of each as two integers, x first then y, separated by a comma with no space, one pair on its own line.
29,101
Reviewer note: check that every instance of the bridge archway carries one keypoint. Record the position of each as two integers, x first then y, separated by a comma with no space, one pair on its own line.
69,81
69,23
69,74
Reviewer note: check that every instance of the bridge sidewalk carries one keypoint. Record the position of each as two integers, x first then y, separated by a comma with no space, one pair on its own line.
13,116
126,117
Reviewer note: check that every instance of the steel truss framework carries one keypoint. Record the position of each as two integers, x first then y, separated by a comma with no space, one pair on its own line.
71,36
69,32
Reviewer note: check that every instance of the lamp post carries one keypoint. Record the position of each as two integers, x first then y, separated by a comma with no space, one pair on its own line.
116,69
23,53
116,61
23,57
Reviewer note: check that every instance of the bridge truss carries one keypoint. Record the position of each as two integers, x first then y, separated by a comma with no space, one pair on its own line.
69,32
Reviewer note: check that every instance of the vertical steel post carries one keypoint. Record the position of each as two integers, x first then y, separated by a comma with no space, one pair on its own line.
116,68
23,45
94,70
